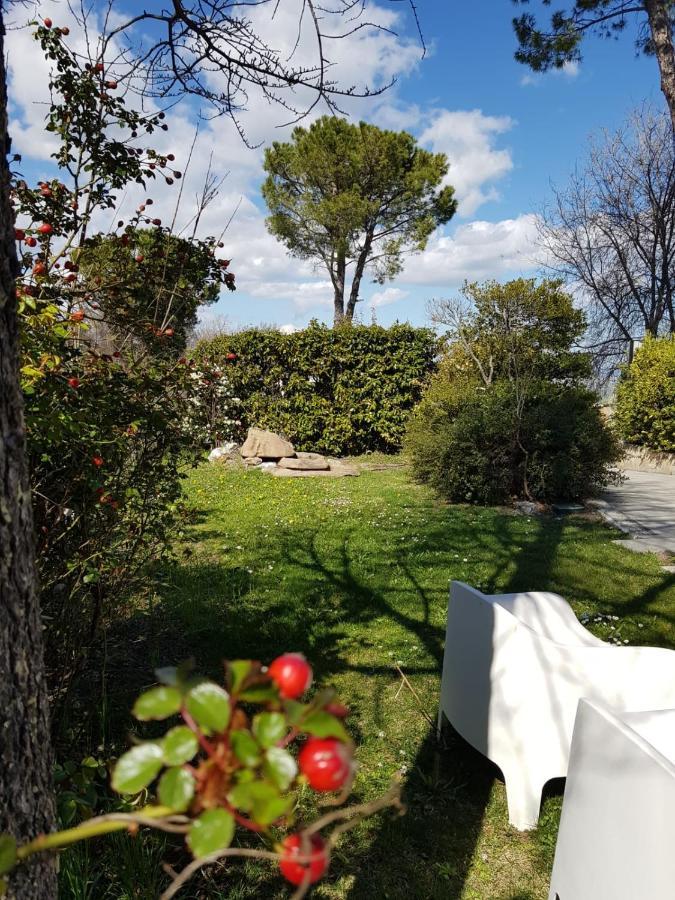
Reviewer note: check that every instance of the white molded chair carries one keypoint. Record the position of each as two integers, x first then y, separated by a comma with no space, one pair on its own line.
617,830
514,669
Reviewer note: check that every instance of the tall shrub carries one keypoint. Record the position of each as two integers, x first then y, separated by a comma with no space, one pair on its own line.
343,390
508,414
645,396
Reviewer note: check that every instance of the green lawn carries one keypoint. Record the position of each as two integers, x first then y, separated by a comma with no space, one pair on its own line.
354,572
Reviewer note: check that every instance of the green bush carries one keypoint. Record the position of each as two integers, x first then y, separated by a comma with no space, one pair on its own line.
344,390
508,415
645,396
475,444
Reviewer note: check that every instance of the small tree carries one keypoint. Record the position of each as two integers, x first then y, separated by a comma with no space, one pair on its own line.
645,396
354,195
552,47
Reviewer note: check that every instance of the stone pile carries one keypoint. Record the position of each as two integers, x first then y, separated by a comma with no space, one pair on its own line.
270,452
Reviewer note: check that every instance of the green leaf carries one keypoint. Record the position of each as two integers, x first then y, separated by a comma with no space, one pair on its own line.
322,724
245,748
179,745
157,703
262,799
209,705
239,671
176,788
280,766
260,694
295,711
137,768
212,831
7,853
245,796
270,727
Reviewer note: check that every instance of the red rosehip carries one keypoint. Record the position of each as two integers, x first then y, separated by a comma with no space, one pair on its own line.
140,258
77,316
74,383
292,674
156,221
45,228
169,332
337,709
31,242
317,859
170,156
39,268
111,85
97,461
99,67
117,354
65,30
47,23
19,234
231,356
326,763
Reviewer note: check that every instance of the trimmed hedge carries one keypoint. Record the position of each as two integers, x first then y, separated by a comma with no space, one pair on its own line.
344,390
645,396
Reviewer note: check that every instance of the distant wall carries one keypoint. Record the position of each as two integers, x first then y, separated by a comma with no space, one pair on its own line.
642,459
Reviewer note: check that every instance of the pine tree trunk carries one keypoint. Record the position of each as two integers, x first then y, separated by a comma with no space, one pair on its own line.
658,13
339,290
26,804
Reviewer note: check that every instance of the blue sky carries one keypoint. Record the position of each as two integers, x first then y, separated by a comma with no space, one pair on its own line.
507,132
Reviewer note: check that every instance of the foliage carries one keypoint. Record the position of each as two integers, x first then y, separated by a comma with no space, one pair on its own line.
341,391
354,195
507,415
113,416
228,765
150,284
645,396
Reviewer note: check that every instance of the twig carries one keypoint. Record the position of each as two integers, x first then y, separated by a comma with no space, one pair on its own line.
417,697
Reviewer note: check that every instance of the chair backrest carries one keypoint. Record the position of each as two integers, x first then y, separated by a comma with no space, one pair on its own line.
617,830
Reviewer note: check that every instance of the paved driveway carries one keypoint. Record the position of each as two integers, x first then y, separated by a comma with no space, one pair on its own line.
643,506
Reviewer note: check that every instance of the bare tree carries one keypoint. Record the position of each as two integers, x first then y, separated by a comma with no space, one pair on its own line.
610,233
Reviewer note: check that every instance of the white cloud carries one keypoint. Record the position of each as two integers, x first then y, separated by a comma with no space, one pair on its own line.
387,296
569,70
467,138
476,251
288,329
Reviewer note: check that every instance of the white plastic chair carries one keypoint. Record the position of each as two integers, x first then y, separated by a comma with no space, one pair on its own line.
514,669
617,829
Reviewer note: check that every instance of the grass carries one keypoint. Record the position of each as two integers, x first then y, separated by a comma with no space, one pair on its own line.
354,572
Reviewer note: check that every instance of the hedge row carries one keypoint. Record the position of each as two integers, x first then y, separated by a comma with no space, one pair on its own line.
341,391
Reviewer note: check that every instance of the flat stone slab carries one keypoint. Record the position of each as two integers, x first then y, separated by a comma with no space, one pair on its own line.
305,463
335,471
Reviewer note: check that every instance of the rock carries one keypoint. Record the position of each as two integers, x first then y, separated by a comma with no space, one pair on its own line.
278,472
251,461
268,466
301,454
527,508
223,454
305,463
342,468
266,445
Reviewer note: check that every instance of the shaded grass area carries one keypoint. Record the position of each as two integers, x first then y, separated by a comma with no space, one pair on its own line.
355,573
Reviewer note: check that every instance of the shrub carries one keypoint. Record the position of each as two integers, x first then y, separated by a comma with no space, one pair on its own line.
645,396
345,390
507,414
473,446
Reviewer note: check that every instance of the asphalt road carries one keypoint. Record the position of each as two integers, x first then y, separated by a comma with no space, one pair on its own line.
644,507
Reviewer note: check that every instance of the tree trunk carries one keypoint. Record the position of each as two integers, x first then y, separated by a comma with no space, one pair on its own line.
26,803
658,13
358,275
339,290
